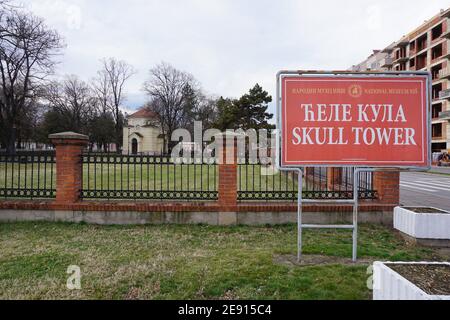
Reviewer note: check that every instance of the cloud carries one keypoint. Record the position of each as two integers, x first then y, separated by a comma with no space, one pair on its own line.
62,12
228,45
374,17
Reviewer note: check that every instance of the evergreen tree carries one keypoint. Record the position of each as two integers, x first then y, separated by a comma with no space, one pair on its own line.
226,114
252,109
247,112
52,122
190,107
102,129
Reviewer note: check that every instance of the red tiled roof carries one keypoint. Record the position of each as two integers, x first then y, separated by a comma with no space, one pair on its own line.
143,113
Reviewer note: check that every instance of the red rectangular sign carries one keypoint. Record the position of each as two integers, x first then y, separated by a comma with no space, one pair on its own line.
369,121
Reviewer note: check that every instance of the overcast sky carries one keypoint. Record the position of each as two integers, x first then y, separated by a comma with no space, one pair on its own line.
228,45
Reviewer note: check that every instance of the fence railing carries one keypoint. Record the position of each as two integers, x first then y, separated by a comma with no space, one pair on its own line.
337,183
28,174
261,183
136,177
139,177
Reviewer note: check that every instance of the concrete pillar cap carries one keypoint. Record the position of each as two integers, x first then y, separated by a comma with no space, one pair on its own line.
68,136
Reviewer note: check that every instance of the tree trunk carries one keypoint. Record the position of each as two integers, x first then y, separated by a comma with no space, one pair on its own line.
118,138
10,140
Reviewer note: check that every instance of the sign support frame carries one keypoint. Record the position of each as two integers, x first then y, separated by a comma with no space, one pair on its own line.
355,201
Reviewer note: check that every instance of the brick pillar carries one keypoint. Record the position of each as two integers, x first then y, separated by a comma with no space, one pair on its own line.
334,178
69,171
387,185
228,172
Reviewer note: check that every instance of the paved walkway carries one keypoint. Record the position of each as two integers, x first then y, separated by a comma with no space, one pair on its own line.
425,189
442,170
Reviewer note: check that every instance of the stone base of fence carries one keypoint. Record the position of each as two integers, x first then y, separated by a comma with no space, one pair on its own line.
186,213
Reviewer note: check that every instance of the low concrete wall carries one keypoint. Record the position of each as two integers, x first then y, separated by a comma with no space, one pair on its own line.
261,218
434,243
210,218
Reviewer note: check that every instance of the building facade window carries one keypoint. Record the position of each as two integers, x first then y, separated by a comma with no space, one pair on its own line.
437,88
134,146
437,130
436,52
437,109
422,42
436,32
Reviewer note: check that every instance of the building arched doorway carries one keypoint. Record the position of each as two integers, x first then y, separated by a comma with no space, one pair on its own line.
134,146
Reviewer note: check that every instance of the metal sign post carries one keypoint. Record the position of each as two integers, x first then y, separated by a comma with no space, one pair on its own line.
301,226
389,164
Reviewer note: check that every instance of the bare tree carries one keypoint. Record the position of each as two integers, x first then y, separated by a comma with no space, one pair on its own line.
7,5
27,56
166,88
102,91
73,99
206,111
27,122
110,86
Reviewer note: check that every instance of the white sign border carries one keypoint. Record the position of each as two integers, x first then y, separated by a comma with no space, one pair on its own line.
346,74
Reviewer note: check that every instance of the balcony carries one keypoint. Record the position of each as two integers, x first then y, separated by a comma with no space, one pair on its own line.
444,73
444,115
445,14
446,34
389,49
386,62
445,55
401,59
402,42
444,94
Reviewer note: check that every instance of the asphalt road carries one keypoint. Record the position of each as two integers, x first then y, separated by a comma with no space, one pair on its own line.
425,189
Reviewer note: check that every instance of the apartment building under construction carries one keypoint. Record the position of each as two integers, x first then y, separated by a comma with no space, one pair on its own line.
426,48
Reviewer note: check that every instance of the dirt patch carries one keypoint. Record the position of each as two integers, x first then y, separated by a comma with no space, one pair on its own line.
443,253
229,295
425,210
316,260
133,294
434,279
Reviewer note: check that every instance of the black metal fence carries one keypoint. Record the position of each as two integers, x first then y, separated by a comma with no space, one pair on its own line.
139,177
261,183
28,174
337,183
148,178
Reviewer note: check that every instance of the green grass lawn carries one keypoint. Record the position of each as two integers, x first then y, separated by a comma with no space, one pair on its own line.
187,262
150,177
144,177
27,176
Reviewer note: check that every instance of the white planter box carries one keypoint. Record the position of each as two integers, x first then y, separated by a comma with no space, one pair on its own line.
389,285
422,225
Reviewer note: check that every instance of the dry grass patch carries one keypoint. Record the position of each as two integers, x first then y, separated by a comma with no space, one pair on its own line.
188,262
